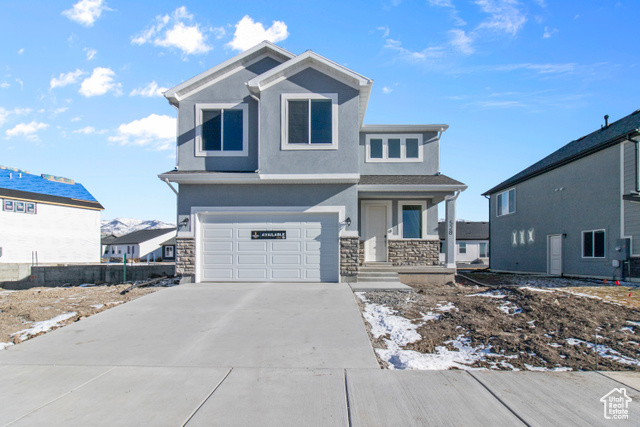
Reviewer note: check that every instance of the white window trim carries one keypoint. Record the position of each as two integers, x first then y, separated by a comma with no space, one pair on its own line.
594,242
423,205
514,202
284,121
199,108
460,246
403,148
486,255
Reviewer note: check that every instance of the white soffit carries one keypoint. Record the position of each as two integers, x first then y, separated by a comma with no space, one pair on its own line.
403,128
252,178
185,89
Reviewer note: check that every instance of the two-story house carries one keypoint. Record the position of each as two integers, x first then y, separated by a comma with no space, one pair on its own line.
576,212
279,180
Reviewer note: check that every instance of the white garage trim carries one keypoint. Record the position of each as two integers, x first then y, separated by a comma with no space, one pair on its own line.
199,214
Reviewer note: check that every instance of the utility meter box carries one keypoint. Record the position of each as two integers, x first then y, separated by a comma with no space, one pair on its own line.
623,247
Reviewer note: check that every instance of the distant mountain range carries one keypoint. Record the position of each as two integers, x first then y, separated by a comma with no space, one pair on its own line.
121,226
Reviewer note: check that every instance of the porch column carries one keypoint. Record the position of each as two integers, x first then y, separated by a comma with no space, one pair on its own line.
450,231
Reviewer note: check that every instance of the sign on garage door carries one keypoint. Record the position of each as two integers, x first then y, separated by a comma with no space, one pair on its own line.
309,250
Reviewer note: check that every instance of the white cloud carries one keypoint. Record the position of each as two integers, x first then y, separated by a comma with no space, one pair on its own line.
99,83
20,82
461,41
385,30
76,119
28,130
4,114
548,32
149,90
86,12
413,56
66,79
505,16
171,31
22,111
21,51
387,90
60,110
539,68
441,3
4,85
154,131
90,53
249,33
88,130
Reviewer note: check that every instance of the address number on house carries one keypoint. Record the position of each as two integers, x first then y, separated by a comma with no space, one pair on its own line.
262,235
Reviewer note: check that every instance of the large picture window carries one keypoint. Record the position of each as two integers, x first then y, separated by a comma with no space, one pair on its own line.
394,148
506,202
412,219
221,130
593,244
309,121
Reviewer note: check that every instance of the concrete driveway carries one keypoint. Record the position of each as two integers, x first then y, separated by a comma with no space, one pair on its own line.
266,354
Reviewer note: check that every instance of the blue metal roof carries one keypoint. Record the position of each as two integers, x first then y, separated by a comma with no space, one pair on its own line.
13,179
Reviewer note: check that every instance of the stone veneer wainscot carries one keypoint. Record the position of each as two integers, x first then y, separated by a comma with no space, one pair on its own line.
185,256
349,255
414,252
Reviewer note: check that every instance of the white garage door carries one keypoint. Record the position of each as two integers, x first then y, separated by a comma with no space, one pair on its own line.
309,251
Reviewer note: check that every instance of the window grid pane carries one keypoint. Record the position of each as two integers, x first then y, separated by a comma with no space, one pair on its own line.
321,130
587,244
512,201
598,244
394,148
212,130
484,249
412,147
462,247
412,222
298,122
232,129
499,205
376,148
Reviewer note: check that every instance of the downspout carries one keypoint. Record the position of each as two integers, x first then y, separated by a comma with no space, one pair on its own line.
259,127
489,251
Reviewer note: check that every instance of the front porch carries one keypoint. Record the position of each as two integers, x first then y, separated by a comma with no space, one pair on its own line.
398,230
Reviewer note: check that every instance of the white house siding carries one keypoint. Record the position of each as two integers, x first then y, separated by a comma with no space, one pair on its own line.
473,252
58,234
153,247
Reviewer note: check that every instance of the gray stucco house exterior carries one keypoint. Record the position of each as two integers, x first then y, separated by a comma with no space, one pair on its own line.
576,212
280,180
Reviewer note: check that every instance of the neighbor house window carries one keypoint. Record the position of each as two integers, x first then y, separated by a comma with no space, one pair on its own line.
221,129
441,247
168,251
412,219
484,249
462,247
394,148
506,202
309,121
593,243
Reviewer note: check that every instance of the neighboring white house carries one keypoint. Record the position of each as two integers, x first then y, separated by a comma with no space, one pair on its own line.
145,245
47,220
472,241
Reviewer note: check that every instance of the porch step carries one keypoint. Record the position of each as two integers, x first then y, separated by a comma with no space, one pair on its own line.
379,273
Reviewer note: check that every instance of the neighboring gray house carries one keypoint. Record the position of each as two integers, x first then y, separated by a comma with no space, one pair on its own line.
472,241
279,180
143,245
576,211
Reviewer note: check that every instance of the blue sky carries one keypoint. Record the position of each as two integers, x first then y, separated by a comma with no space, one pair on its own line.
81,82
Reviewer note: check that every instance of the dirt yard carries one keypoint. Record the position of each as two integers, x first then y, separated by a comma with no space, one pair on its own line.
526,323
32,312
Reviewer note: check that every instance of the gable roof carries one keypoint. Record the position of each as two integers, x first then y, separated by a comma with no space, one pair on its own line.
183,90
605,137
467,230
141,236
18,184
310,59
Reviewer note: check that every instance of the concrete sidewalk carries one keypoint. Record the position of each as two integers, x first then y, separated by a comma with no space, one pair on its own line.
284,354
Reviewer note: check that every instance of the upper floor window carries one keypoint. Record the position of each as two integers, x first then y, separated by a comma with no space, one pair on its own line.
221,130
394,148
593,244
506,202
309,121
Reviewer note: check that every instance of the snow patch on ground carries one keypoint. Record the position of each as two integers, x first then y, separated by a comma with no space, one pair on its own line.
97,306
446,307
383,322
490,294
539,368
430,316
43,326
4,345
509,308
606,352
530,288
630,322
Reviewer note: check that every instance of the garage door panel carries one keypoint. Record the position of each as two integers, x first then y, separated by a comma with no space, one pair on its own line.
218,259
252,246
284,246
217,246
285,259
252,274
310,251
252,259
